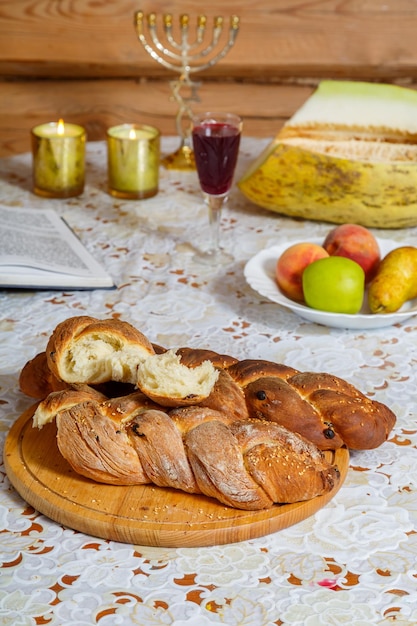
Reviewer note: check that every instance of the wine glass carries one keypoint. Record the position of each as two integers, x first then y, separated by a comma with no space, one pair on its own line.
216,139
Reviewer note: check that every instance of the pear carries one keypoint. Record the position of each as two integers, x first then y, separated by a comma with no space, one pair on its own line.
395,281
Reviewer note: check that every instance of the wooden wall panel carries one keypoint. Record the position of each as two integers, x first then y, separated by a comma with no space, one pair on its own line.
82,60
100,104
277,37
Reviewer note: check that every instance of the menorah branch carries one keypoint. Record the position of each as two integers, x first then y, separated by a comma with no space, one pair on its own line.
186,54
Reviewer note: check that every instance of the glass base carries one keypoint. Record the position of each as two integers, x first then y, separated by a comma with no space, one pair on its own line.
132,195
70,192
213,258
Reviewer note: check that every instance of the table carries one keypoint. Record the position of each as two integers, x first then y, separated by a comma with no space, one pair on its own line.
354,561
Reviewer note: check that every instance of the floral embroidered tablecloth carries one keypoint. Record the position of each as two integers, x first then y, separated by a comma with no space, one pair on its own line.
353,562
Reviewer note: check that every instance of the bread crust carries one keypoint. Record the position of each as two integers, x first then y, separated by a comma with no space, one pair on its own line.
246,464
227,396
36,379
191,357
96,447
321,407
282,462
58,401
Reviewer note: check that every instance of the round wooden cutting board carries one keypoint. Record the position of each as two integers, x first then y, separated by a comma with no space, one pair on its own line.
144,515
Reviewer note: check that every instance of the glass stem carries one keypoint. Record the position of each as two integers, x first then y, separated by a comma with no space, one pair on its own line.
215,205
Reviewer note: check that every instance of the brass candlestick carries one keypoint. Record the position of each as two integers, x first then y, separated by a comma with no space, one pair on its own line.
186,58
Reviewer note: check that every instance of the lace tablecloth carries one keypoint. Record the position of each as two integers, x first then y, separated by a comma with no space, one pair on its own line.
354,562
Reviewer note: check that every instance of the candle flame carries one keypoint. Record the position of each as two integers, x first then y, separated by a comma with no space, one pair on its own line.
132,133
60,127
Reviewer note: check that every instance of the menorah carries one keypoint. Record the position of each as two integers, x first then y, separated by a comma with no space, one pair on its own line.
184,57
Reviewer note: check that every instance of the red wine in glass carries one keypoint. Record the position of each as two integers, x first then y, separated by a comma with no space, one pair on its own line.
216,147
216,140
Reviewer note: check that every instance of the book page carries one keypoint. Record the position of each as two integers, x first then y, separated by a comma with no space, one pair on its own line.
36,239
37,242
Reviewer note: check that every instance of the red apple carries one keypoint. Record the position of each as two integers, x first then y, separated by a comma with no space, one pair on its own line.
357,243
291,265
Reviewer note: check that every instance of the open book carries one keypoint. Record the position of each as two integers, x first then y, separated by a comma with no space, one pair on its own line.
38,250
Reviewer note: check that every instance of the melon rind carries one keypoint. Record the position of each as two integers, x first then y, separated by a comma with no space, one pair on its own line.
373,107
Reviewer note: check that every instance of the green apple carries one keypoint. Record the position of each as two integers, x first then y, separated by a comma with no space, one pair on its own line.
334,284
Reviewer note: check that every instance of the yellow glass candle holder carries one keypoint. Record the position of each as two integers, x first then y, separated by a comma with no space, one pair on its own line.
133,152
58,152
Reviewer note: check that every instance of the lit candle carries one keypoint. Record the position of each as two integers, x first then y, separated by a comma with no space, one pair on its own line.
58,152
133,161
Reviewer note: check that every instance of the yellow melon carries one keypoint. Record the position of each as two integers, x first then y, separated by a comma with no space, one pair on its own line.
349,154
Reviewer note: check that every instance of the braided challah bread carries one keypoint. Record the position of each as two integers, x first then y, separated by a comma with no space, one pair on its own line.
249,433
323,408
246,464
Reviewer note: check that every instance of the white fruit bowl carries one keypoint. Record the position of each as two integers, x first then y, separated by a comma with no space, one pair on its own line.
260,275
